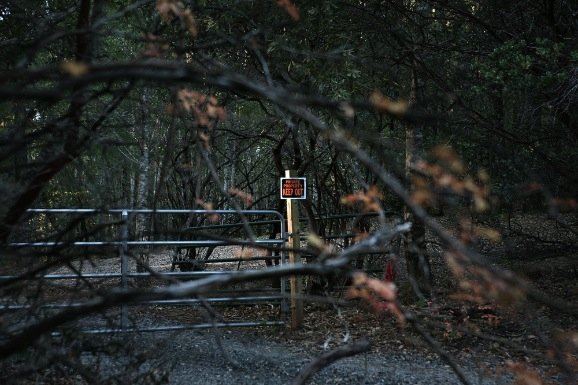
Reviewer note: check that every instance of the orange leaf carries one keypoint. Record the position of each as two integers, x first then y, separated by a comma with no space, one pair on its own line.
167,10
244,252
565,204
360,236
421,197
524,374
385,104
444,152
290,8
245,197
190,22
211,216
384,290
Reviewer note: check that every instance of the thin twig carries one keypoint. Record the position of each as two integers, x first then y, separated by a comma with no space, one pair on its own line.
436,347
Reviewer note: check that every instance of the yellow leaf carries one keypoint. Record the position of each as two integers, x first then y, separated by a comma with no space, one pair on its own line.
483,176
315,241
480,204
359,279
489,233
457,166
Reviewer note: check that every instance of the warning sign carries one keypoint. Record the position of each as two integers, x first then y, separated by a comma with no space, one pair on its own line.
293,188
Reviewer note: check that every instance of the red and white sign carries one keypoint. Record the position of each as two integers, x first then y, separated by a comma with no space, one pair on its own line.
293,188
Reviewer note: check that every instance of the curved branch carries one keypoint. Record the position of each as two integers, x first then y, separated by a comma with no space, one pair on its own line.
309,370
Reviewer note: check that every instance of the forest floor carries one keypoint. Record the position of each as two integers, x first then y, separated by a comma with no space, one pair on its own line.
492,344
515,340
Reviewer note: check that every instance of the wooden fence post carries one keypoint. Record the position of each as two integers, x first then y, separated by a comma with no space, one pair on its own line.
294,242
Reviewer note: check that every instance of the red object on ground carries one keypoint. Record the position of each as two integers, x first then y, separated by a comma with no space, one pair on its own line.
389,275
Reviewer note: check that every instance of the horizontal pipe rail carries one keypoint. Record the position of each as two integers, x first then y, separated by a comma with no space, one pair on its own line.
153,211
166,302
175,274
241,259
184,327
355,215
229,225
203,243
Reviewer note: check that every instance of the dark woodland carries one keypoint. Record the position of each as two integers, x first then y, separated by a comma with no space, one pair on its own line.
438,139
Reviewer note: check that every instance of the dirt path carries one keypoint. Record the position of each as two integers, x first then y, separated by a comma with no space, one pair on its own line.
242,357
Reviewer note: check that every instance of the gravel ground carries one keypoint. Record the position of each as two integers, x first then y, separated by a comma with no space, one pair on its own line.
241,357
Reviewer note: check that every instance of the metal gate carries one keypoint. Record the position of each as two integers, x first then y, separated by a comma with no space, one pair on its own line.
67,253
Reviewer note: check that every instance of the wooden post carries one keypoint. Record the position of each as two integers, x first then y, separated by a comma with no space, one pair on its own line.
294,242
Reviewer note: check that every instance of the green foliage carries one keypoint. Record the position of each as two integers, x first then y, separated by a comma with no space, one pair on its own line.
517,65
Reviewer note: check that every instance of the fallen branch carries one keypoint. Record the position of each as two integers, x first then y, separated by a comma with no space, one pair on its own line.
309,370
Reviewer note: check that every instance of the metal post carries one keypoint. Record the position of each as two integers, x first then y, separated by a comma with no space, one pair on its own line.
124,267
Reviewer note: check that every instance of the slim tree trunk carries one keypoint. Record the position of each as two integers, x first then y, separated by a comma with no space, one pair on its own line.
418,266
230,166
143,225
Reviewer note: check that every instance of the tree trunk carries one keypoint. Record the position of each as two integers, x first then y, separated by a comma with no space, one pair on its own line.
143,225
230,168
418,266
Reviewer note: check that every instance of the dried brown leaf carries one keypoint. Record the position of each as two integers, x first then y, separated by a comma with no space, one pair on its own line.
244,252
524,374
190,22
244,196
488,233
384,290
445,153
422,197
74,68
290,8
167,10
385,104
